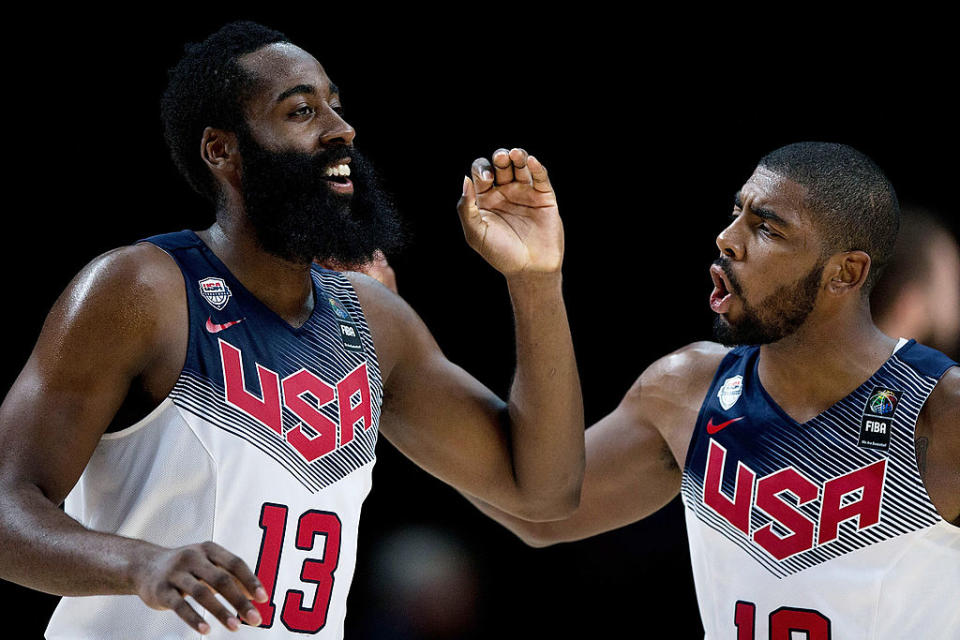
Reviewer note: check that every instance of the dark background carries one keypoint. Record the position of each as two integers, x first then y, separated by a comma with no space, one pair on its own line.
648,130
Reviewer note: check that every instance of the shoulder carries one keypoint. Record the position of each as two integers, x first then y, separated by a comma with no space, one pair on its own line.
140,273
689,369
131,291
133,266
668,394
938,460
941,413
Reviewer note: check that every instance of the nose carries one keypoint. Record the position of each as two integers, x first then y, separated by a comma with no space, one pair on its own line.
728,241
338,131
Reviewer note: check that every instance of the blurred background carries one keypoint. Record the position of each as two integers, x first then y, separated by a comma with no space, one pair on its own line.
648,129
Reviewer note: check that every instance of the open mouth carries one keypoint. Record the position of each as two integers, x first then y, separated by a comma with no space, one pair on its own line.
338,176
721,296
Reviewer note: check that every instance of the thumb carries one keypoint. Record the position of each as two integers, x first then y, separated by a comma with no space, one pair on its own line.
468,210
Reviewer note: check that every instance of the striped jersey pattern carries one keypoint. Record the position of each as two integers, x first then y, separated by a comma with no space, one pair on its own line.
202,392
767,441
265,446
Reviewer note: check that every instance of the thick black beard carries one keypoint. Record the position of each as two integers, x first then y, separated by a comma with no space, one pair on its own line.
779,315
296,216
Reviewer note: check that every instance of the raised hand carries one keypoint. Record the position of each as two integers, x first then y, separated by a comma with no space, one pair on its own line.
509,214
200,571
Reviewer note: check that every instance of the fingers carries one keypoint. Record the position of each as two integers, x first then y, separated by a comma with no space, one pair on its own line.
482,172
215,578
506,167
229,576
469,212
541,182
238,568
521,172
502,166
201,593
174,600
467,206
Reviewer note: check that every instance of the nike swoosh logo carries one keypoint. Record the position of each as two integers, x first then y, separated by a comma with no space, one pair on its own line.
713,428
212,327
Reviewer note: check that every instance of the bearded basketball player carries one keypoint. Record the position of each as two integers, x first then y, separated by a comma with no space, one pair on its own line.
207,403
819,461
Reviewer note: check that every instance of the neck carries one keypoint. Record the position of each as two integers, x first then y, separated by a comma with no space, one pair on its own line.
823,361
284,287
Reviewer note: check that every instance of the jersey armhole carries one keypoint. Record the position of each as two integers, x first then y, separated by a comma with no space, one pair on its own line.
190,344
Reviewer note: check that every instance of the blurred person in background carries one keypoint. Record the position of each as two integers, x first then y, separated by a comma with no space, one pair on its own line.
425,584
919,294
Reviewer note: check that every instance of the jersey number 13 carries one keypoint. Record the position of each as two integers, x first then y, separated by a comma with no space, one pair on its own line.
296,617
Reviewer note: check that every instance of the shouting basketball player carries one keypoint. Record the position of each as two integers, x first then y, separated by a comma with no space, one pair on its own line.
819,463
208,403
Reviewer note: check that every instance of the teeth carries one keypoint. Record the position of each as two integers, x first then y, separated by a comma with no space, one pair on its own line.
337,170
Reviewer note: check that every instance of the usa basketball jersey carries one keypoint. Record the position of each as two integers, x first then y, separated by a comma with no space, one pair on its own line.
265,445
821,530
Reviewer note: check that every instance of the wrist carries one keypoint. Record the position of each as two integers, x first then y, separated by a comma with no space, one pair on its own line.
533,294
137,559
534,282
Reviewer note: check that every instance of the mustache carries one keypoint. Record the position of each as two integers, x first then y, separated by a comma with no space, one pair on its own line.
322,159
724,263
304,162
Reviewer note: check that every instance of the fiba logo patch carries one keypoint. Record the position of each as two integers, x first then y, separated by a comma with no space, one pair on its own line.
877,420
883,402
216,292
339,310
730,392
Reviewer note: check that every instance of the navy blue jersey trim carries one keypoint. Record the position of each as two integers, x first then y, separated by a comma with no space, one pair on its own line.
185,239
722,368
927,361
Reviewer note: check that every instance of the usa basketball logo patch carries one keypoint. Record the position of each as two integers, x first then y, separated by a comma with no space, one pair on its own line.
730,392
216,292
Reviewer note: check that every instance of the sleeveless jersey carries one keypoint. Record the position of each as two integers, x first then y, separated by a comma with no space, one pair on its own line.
821,530
265,445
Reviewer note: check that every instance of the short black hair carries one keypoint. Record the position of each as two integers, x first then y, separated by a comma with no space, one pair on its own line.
854,204
207,88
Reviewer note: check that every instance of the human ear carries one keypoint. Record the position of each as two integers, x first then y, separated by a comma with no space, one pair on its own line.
848,271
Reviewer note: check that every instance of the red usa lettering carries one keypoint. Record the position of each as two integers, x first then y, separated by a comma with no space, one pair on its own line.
865,485
352,392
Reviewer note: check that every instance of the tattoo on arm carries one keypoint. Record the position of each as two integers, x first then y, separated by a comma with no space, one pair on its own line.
921,445
666,456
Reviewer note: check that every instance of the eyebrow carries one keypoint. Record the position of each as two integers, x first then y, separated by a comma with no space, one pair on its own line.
760,212
308,89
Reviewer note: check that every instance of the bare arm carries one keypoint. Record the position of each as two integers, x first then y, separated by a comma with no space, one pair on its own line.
121,320
525,455
635,454
938,446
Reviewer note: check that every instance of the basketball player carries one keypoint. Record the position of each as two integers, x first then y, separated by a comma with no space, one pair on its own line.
208,403
820,465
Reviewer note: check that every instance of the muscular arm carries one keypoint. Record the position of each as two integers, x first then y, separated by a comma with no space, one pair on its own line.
938,446
635,454
122,319
92,345
525,455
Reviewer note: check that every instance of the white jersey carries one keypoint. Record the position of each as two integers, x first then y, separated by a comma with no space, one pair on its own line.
821,530
265,446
